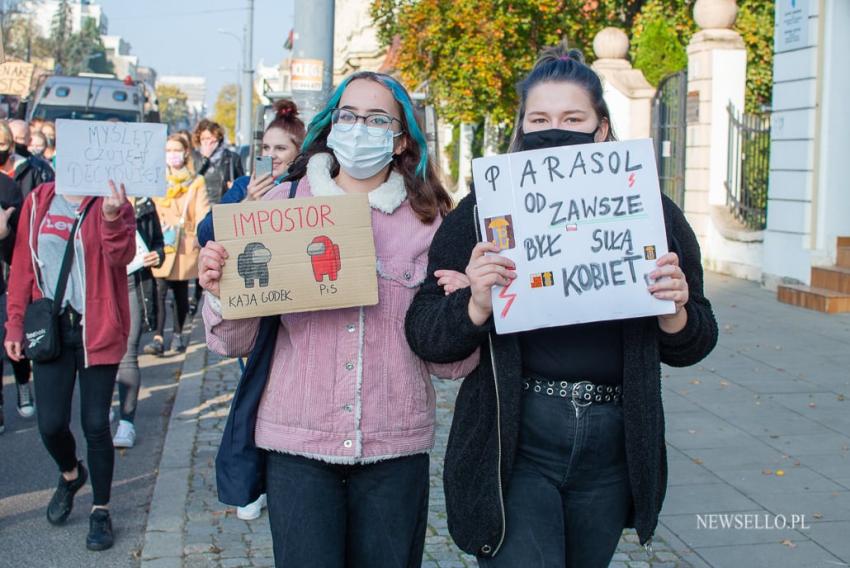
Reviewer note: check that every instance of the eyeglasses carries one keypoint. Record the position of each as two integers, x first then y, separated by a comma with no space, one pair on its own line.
345,120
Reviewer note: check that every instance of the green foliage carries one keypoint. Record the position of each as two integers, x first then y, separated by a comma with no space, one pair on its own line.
660,37
173,109
755,24
84,51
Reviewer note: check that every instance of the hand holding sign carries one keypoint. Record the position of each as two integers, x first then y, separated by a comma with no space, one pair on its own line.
5,215
210,265
671,284
485,271
113,203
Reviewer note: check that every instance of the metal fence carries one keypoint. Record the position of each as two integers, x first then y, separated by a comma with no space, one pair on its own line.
749,167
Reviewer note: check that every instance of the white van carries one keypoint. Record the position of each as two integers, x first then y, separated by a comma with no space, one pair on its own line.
88,98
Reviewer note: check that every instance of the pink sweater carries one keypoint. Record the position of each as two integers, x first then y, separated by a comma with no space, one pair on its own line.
344,385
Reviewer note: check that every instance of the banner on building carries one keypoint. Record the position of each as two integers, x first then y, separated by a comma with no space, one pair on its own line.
584,225
306,74
296,255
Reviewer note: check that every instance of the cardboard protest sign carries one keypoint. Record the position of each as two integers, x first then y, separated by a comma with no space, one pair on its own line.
296,255
584,225
16,78
89,153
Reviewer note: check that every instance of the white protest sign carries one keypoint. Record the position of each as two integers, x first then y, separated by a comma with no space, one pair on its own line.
584,225
90,153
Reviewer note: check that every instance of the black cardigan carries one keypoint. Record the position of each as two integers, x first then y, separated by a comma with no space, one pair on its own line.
486,421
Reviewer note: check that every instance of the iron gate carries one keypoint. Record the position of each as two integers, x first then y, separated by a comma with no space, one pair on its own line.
668,133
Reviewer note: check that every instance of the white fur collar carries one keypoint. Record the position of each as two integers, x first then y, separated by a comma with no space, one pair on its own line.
386,198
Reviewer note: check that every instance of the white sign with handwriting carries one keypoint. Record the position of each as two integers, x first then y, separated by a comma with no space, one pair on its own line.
584,225
90,153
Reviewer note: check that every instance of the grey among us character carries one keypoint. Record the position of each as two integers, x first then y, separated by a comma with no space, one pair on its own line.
253,264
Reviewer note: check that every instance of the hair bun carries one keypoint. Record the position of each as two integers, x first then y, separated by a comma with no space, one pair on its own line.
285,110
560,52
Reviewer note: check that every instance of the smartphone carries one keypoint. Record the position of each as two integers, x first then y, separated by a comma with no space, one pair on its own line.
262,166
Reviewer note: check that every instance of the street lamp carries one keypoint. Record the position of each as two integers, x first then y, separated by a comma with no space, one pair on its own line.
237,129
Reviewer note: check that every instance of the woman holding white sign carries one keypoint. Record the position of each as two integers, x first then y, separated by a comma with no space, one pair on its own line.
347,415
557,442
68,311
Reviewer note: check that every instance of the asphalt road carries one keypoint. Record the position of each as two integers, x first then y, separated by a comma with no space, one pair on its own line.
28,477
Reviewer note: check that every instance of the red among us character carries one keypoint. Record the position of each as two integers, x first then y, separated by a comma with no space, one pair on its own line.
324,255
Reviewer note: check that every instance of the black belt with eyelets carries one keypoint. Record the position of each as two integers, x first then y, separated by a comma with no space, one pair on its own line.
582,392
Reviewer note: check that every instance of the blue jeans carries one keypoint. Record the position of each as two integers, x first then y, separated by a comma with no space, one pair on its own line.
569,497
357,516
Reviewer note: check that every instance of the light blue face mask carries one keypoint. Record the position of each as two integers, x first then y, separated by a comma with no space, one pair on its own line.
361,151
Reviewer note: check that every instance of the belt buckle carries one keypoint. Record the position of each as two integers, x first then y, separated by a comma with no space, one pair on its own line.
586,387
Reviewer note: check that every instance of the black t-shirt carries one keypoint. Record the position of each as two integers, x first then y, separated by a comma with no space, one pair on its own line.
583,352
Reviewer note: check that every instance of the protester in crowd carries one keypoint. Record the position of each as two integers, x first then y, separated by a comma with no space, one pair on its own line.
347,415
21,133
219,165
143,316
38,144
184,205
281,141
10,206
220,168
49,131
526,484
27,174
36,124
102,245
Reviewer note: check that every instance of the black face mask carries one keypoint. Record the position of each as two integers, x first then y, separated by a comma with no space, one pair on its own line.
21,150
4,156
555,137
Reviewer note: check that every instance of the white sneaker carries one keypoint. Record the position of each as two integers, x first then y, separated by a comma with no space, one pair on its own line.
125,437
253,510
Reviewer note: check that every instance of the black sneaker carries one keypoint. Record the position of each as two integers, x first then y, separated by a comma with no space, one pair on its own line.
155,347
100,530
62,501
2,421
26,407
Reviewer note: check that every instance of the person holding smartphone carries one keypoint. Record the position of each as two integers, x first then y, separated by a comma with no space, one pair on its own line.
281,144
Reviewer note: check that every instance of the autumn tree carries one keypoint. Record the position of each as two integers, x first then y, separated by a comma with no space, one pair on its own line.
173,109
469,54
224,110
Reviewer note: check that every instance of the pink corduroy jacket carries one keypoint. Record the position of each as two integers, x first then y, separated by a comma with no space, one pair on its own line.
344,386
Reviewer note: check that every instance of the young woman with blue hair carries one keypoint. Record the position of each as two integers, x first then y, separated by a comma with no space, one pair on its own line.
348,411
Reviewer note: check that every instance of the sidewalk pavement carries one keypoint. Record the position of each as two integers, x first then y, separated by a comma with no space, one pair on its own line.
760,427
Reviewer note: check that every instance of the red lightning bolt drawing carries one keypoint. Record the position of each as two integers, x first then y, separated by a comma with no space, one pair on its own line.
503,294
631,180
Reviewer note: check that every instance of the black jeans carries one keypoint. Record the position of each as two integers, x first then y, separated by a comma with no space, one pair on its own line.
569,497
21,369
356,516
129,375
54,391
180,288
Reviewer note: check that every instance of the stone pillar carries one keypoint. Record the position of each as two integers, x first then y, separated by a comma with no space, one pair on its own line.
627,92
717,73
